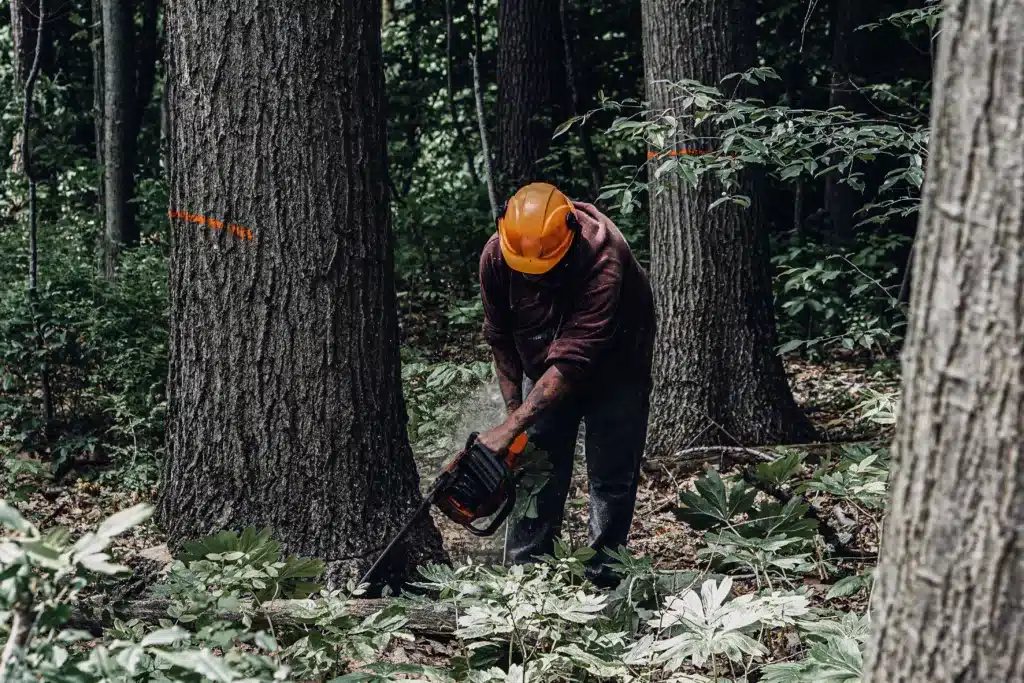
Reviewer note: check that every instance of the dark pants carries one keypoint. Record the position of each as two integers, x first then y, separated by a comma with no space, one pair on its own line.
616,429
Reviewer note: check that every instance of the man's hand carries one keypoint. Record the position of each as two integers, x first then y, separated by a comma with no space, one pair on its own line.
549,390
499,438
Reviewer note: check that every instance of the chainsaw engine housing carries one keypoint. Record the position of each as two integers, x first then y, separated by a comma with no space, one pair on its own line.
477,484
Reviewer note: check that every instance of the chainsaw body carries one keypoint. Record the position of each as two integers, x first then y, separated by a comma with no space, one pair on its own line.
477,484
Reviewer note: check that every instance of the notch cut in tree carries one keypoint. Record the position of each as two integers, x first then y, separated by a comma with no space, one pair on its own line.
285,397
717,376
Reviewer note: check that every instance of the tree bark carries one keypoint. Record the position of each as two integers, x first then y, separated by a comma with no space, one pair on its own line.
24,28
589,153
840,198
147,48
947,603
460,133
531,87
97,96
285,398
717,376
28,167
481,114
118,112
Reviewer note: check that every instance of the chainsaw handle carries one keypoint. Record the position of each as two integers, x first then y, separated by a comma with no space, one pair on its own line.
499,517
513,453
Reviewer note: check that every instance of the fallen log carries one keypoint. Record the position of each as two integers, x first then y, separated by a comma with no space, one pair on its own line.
438,622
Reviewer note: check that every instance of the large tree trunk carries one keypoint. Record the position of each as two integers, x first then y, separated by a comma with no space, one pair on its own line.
531,87
285,394
718,378
948,604
118,141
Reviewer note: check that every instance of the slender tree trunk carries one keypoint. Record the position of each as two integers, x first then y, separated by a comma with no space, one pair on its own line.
24,28
118,113
97,96
840,198
285,398
717,375
531,87
481,114
22,621
147,48
28,167
948,604
452,109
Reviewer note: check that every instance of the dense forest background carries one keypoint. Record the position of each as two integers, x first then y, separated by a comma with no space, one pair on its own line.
181,176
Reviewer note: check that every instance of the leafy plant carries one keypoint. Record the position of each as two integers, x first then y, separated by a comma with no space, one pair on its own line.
765,557
835,655
227,571
41,576
859,478
712,504
782,470
701,626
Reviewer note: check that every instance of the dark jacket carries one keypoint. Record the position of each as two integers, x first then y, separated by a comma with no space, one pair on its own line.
592,316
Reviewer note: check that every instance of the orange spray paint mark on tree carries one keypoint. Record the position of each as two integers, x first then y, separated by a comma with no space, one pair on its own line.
239,231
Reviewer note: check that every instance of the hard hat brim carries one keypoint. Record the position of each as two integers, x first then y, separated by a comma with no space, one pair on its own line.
535,266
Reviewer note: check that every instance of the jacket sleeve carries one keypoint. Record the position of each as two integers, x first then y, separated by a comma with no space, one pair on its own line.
590,326
498,324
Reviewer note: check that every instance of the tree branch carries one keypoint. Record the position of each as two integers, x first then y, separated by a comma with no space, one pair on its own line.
492,194
21,626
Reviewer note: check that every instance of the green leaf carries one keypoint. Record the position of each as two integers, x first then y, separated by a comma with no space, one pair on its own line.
563,128
12,519
667,166
124,520
165,636
849,585
721,200
782,470
41,554
791,345
791,171
712,504
689,175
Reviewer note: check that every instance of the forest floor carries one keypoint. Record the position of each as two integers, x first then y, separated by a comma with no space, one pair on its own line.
829,391
848,398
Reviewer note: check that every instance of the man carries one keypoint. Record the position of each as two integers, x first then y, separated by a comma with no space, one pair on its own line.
567,306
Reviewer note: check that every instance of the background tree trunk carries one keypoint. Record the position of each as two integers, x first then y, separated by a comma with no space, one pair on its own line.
569,38
24,27
97,94
715,362
285,398
118,142
840,198
948,604
531,87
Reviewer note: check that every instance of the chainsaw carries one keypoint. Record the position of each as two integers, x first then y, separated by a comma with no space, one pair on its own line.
476,484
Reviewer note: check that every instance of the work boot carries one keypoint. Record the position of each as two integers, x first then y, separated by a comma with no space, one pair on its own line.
603,576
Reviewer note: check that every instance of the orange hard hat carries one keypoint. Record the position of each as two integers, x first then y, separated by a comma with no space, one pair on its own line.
536,229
